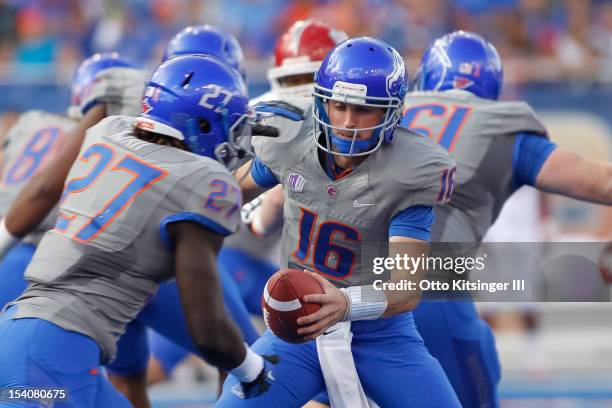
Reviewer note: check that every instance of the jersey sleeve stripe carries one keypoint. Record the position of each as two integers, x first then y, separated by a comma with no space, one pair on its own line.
528,156
414,222
262,175
192,217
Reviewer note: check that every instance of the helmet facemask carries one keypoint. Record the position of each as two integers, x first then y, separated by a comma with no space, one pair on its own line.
356,95
238,145
300,85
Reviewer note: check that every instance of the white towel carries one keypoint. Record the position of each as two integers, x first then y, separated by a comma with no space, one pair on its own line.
336,359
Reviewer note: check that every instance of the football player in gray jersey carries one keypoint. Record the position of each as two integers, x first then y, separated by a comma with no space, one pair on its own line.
499,146
159,182
36,138
104,84
168,340
106,79
36,141
298,54
351,180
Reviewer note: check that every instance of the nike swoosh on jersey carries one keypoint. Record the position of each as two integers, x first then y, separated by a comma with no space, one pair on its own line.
358,204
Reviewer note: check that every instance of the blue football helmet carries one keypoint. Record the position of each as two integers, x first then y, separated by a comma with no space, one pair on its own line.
361,71
207,40
201,101
461,60
84,78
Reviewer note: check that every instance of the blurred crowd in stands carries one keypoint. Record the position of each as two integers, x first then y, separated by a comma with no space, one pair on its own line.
540,40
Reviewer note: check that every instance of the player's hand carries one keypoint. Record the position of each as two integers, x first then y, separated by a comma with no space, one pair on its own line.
263,381
333,309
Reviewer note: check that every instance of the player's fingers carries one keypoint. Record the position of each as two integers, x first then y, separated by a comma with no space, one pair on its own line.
322,329
316,328
317,298
320,314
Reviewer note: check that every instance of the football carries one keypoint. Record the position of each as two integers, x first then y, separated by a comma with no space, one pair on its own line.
282,302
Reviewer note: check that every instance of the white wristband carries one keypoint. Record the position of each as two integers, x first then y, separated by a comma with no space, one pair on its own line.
7,240
250,368
364,303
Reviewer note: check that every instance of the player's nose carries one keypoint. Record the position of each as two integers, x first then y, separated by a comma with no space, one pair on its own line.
350,118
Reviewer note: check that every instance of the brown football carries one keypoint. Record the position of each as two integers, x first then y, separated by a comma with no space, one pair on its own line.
282,302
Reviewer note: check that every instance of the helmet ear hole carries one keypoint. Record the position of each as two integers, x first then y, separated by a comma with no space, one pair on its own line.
186,80
204,125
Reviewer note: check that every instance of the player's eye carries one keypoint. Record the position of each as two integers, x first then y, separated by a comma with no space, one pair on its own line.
364,109
339,106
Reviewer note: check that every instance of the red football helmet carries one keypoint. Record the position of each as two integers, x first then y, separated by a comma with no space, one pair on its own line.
301,50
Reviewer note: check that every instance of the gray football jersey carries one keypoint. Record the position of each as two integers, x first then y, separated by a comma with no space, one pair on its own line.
328,223
480,135
34,140
109,249
120,89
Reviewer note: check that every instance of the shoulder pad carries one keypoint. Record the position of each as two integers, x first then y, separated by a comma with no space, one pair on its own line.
280,108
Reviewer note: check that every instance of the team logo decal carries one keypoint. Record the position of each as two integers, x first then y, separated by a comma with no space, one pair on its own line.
466,68
153,93
296,182
461,82
146,106
332,192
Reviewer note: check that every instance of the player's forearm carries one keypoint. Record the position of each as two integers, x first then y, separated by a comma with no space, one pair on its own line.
213,332
44,190
592,181
381,298
250,189
32,205
269,216
568,173
400,301
215,335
